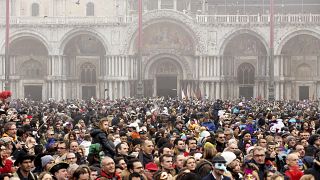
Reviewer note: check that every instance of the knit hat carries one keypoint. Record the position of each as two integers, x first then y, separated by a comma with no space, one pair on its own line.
228,156
46,160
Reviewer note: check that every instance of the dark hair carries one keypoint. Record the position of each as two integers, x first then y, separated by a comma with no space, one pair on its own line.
190,139
188,176
118,147
131,162
134,174
203,168
80,170
170,146
162,157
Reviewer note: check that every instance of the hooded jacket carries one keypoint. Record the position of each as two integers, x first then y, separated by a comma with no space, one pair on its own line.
99,136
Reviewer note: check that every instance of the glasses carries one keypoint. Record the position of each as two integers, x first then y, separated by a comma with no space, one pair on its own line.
61,148
221,137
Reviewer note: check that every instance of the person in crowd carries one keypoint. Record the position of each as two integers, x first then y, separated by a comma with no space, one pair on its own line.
25,164
59,171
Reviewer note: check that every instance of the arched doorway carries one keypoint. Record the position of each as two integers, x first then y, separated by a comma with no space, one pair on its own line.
88,79
163,78
83,55
245,63
299,62
29,59
246,78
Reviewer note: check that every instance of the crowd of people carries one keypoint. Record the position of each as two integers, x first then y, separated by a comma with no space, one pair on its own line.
159,139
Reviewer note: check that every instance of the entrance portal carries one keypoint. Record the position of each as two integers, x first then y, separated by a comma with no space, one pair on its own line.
246,92
33,92
88,92
303,92
167,86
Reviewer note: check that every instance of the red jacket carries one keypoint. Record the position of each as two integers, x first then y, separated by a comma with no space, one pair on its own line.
294,173
6,168
114,176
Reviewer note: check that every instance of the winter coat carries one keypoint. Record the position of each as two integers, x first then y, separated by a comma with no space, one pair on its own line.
99,136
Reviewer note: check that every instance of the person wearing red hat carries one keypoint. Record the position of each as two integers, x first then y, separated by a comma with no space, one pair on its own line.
150,169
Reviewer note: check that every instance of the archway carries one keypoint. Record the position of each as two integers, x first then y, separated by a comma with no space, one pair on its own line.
83,54
299,62
28,59
246,76
163,78
245,63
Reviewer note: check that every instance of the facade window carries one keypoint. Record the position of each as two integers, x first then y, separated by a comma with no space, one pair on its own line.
88,73
35,9
32,69
246,74
90,9
166,4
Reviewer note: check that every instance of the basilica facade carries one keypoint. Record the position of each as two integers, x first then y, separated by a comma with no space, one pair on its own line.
78,49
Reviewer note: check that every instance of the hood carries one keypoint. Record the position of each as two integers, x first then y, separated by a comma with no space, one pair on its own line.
94,132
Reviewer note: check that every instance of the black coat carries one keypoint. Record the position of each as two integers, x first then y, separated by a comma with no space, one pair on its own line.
314,171
99,136
211,177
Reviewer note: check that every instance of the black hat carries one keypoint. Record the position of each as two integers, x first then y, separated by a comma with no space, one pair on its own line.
23,156
55,168
218,159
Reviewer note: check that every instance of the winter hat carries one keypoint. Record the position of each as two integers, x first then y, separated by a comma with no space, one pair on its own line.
228,156
46,160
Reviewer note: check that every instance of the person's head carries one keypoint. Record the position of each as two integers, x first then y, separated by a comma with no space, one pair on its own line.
220,137
47,162
262,142
31,142
188,176
209,151
246,136
190,163
10,129
108,165
104,124
61,148
122,149
72,136
74,146
150,169
135,176
81,173
120,162
25,162
59,171
166,149
147,146
94,172
305,135
259,155
134,165
179,145
219,165
179,160
300,149
45,176
123,137
192,143
71,158
228,133
292,159
166,162
203,168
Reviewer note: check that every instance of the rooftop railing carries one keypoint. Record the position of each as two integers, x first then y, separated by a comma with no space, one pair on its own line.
201,19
